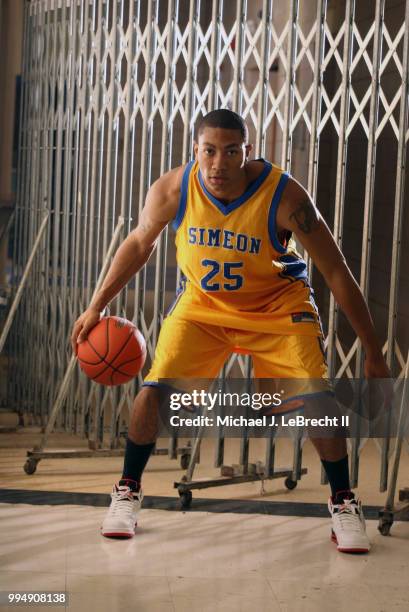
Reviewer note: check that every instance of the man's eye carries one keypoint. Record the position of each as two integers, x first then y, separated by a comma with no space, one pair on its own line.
232,152
209,151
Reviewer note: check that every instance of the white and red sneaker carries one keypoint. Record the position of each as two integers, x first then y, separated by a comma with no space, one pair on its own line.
120,521
348,524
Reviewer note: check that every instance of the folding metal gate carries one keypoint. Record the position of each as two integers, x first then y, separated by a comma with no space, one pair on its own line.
111,92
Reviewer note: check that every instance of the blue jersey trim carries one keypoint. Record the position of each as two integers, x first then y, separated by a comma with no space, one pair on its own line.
180,291
272,228
225,209
295,268
183,197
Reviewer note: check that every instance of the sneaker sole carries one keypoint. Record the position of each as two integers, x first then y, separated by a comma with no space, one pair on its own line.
118,534
358,550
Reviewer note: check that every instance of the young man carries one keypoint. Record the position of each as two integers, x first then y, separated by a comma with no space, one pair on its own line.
244,288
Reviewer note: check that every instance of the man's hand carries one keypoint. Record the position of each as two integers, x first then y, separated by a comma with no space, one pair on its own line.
376,367
83,326
380,387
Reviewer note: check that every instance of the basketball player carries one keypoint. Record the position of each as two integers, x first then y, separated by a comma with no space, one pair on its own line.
245,288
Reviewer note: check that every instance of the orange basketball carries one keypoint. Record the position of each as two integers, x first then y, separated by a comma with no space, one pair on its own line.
113,353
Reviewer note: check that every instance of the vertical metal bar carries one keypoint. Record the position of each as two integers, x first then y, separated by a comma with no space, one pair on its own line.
79,247
263,77
92,258
368,211
289,86
127,112
193,19
341,171
313,154
34,208
397,223
108,212
71,204
126,203
399,196
241,12
30,320
68,201
400,432
144,170
47,140
244,442
143,185
164,166
270,453
219,447
215,25
79,276
111,11
25,230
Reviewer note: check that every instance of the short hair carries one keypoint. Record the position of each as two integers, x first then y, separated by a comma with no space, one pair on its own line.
222,118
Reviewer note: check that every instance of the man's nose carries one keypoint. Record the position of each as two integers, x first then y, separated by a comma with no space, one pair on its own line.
219,161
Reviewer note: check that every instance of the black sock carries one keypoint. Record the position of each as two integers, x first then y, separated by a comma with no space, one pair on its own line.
338,475
136,458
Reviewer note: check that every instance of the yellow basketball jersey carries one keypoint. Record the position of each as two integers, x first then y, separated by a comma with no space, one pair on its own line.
235,271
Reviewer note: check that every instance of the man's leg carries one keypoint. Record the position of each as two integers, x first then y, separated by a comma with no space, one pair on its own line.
334,458
142,433
300,364
127,494
185,351
330,442
348,523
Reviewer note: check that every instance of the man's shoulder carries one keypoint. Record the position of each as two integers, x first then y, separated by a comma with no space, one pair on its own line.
167,187
173,178
255,167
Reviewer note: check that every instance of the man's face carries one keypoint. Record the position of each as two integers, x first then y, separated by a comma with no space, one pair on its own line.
221,155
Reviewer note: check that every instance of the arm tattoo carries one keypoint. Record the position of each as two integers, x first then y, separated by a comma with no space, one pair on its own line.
305,217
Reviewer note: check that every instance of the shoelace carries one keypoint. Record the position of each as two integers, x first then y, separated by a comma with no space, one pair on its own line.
348,515
119,497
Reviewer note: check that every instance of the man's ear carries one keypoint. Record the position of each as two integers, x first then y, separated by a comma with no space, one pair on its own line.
249,148
195,148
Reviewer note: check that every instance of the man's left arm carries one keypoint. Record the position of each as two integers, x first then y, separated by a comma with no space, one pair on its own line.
298,214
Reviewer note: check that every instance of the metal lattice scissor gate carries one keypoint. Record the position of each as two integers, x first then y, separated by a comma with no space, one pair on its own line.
111,92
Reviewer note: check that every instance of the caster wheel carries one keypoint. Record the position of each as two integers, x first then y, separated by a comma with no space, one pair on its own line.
184,461
290,484
384,527
186,499
30,466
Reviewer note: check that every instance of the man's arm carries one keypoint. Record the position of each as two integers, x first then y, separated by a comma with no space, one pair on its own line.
160,207
298,214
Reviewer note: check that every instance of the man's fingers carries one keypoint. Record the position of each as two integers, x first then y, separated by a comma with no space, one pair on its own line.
80,331
76,333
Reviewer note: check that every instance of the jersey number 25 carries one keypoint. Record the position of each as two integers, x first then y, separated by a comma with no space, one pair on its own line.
236,280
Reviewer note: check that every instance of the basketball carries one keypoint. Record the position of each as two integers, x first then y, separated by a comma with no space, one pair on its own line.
113,353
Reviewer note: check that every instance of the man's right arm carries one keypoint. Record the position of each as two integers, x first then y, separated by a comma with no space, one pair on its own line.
160,207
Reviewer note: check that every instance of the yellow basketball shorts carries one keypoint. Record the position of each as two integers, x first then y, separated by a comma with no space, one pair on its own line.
188,351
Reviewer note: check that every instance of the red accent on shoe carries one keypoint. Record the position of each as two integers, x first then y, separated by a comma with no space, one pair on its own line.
119,534
125,482
347,550
349,495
